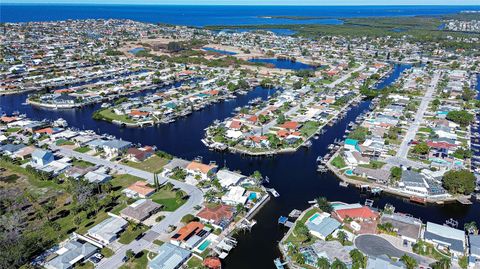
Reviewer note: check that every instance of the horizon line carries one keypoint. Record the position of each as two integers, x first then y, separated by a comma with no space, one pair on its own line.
226,4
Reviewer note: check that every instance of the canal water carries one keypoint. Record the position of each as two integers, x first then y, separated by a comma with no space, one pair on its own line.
293,175
284,64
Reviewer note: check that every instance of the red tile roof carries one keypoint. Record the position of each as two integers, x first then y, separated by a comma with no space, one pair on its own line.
292,125
188,230
356,213
216,214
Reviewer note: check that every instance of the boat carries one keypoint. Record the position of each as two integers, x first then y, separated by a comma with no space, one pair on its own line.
307,144
60,123
343,184
273,192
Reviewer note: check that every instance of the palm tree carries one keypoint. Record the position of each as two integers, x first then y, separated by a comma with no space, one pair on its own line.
323,263
342,237
324,205
337,264
410,262
358,259
443,263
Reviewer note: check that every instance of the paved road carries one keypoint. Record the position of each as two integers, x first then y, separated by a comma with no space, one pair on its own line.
374,245
413,129
346,76
195,198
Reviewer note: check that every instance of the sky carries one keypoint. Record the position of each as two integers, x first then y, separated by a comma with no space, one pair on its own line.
259,2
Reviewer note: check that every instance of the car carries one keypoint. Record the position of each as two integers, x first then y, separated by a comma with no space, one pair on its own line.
139,236
125,259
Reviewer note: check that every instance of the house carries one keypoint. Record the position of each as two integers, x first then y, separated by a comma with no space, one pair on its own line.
71,253
108,230
195,168
218,216
383,262
474,241
11,149
378,175
175,163
140,210
190,235
408,228
236,195
139,189
169,257
290,125
42,157
228,178
322,225
139,155
360,213
96,177
24,153
446,237
115,146
414,183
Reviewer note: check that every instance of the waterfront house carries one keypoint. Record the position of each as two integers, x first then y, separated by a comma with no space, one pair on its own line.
108,230
42,157
407,227
351,145
228,178
414,183
219,216
235,195
115,146
139,189
446,238
377,175
175,163
322,225
474,242
169,257
204,171
71,253
140,210
139,155
190,235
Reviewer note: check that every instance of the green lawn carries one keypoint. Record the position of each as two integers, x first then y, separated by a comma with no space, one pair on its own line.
129,234
139,262
82,163
110,115
153,164
339,162
168,199
309,128
124,180
107,252
194,262
86,265
82,149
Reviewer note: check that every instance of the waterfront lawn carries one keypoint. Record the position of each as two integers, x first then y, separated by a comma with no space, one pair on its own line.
294,237
171,200
194,262
108,114
82,149
140,261
154,164
131,233
339,162
309,128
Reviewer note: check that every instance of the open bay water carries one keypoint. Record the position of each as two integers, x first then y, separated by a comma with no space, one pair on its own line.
293,175
213,15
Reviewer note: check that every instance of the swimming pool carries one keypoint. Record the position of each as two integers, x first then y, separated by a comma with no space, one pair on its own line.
312,218
204,245
349,172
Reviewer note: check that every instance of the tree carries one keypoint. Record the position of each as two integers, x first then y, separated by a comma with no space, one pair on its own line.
129,254
302,230
409,262
342,237
443,263
463,262
396,173
459,181
324,205
421,148
461,117
281,119
337,264
189,218
358,259
471,227
323,263
257,175
77,220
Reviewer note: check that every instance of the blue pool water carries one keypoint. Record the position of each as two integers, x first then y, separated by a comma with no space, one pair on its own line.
284,64
136,50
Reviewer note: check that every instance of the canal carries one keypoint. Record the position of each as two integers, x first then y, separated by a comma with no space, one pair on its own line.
293,175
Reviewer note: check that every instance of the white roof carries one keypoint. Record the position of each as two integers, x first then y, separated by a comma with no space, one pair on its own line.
228,178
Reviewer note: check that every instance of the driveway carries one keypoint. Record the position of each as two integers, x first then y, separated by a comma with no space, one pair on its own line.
374,245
